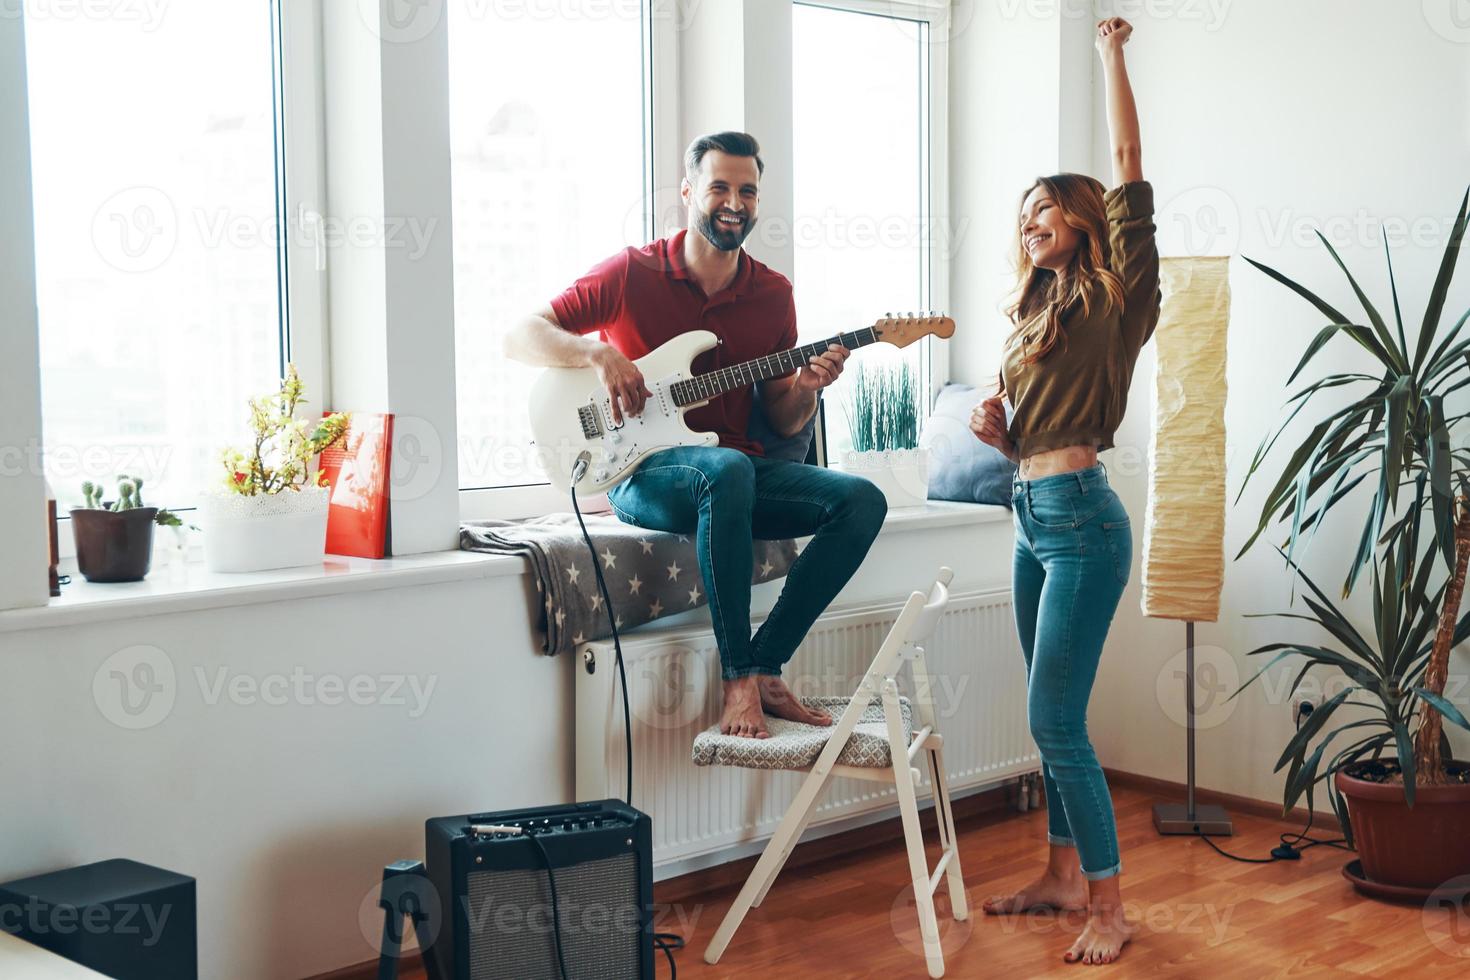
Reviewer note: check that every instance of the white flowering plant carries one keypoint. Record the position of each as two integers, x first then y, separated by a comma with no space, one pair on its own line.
284,446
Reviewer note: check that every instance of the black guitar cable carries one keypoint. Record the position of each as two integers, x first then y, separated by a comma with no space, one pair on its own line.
665,941
612,621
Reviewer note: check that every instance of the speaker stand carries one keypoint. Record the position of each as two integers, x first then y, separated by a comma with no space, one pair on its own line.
1189,817
407,891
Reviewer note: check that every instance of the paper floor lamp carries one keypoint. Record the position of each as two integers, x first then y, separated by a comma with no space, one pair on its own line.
1184,534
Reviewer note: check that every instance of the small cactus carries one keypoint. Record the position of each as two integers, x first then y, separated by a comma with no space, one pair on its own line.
125,488
92,495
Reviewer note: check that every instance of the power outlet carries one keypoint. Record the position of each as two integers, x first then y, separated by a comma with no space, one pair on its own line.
1303,706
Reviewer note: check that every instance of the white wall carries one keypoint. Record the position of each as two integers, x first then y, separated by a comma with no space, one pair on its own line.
1019,108
1260,121
286,813
1247,127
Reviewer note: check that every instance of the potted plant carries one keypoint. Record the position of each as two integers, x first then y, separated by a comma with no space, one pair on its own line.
883,423
1407,801
114,539
269,509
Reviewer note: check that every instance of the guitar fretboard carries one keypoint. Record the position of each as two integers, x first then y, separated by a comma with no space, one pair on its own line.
703,387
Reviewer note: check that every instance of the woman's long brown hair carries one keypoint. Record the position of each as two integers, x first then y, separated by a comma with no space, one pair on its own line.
1042,295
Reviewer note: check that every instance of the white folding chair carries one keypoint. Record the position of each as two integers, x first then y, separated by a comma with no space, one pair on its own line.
873,738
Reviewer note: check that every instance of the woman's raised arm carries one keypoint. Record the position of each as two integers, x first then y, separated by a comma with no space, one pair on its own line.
1112,34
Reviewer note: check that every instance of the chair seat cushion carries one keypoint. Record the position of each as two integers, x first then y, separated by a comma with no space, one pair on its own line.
794,745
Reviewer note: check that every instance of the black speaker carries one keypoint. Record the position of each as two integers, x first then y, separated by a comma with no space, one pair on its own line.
121,918
493,916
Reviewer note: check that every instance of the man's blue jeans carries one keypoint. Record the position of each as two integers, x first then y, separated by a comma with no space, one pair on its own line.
1074,551
727,499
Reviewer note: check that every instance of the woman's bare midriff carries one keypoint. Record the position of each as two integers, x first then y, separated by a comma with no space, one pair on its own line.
1054,461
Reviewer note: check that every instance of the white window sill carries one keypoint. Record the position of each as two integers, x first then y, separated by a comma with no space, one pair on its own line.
190,586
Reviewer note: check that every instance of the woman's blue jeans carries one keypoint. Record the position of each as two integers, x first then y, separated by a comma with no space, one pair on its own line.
1074,550
726,499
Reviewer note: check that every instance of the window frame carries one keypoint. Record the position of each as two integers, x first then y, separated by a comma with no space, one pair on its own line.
662,160
934,151
297,72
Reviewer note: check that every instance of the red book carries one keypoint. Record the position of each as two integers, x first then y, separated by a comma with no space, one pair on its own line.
356,467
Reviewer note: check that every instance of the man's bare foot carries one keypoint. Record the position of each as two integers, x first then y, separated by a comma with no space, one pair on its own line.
1103,939
743,709
1046,892
777,699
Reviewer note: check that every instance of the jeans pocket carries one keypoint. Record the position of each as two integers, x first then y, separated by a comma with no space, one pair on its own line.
1120,543
1052,510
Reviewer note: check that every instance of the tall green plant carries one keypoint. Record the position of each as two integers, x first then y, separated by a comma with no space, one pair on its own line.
883,408
1396,434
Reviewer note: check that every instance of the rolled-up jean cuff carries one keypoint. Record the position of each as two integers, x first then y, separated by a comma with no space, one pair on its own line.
1060,841
1105,873
754,670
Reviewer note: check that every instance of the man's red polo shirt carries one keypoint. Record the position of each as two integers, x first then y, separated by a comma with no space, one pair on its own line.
643,297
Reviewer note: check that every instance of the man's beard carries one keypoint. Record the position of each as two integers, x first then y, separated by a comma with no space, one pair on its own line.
723,237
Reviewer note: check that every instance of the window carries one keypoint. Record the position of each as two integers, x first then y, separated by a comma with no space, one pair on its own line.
863,186
155,163
550,175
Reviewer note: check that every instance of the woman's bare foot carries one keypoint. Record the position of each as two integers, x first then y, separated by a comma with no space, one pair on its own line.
1050,891
743,715
777,699
1103,939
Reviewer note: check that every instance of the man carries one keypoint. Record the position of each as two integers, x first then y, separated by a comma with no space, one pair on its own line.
724,495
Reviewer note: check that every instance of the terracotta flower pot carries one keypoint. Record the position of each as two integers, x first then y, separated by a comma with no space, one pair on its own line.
113,546
1422,847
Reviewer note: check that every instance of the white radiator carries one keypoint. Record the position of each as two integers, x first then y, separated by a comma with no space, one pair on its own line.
979,691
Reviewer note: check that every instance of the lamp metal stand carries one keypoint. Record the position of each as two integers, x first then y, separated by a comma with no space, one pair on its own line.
1187,817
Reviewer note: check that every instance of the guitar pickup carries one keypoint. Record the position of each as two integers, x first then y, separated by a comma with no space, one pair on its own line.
591,423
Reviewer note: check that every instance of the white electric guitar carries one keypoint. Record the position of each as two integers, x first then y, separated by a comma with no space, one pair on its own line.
571,412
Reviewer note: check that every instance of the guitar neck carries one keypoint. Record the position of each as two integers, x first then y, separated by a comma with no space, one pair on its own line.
703,387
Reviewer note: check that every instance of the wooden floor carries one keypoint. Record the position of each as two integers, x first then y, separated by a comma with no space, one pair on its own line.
1202,915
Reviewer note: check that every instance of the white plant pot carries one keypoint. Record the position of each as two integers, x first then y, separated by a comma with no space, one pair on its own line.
902,474
279,530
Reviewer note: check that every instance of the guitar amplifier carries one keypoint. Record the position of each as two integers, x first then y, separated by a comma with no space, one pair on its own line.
493,918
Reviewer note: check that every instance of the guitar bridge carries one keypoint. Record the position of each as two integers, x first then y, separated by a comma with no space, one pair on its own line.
591,424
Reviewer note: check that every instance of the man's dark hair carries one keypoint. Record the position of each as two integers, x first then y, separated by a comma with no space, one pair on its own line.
735,144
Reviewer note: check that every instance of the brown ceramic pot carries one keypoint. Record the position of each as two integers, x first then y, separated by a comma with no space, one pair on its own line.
113,546
1419,847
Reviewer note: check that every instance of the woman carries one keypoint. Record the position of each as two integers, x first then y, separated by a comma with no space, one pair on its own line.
1087,302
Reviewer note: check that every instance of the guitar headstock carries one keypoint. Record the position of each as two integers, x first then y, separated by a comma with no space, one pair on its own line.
902,329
